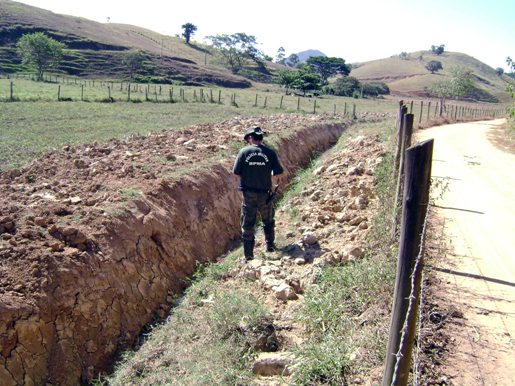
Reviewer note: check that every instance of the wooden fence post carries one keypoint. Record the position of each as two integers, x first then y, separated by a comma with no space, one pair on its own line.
281,103
82,92
400,135
414,209
129,93
11,91
298,103
59,92
255,102
354,111
421,111
428,109
264,104
314,106
345,109
405,142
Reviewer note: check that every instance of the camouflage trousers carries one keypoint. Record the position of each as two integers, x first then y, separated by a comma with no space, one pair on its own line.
254,203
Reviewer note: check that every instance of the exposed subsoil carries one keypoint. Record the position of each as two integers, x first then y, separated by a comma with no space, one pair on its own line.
325,224
96,239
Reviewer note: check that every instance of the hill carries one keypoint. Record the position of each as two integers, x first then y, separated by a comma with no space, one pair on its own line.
408,76
97,49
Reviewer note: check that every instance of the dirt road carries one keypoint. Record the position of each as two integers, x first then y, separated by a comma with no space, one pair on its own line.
477,275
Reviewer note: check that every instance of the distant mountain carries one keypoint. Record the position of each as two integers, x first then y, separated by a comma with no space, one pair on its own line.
304,55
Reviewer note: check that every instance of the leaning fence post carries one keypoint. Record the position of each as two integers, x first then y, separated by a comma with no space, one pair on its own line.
414,209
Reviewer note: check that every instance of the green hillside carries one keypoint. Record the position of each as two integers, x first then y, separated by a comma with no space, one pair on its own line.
409,76
97,49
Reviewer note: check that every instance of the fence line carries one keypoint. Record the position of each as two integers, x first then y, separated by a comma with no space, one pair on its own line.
126,93
417,173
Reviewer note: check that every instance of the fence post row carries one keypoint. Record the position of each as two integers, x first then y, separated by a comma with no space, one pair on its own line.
414,209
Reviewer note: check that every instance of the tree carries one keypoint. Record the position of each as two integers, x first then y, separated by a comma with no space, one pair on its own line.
293,60
189,30
510,63
326,67
134,60
286,78
346,86
307,81
499,71
281,55
303,80
236,49
438,50
459,84
434,66
40,51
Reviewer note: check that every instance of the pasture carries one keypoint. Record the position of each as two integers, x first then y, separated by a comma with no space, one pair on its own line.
33,121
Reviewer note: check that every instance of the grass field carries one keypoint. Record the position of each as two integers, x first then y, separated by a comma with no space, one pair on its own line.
36,122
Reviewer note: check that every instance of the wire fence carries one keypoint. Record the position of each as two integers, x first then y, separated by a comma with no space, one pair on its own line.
65,89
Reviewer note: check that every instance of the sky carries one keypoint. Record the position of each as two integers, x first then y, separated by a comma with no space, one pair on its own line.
357,31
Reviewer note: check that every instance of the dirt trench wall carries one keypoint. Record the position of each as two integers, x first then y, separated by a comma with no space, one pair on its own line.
97,303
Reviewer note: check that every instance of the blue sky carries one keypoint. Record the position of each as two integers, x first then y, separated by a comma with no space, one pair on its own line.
356,31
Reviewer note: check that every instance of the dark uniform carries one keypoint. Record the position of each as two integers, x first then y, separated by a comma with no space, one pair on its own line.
255,165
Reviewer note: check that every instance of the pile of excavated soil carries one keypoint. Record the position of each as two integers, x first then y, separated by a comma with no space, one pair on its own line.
95,239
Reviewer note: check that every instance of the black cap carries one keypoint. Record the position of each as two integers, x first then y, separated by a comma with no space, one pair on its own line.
256,132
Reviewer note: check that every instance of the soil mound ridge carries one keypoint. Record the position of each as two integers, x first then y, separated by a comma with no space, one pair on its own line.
96,240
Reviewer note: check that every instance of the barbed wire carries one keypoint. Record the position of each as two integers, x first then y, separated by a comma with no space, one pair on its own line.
412,297
416,358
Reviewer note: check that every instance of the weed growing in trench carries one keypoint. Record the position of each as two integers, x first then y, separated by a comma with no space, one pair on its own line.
129,193
207,340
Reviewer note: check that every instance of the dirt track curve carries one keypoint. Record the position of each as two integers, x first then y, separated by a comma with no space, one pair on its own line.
478,274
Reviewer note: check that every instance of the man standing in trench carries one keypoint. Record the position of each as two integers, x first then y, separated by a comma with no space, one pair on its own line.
256,164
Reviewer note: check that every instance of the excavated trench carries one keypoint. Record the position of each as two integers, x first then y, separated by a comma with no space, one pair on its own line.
96,303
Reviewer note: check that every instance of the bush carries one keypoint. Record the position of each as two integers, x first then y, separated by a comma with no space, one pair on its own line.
346,86
375,89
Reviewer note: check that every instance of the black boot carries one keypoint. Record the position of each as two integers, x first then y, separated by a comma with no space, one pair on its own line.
248,249
270,238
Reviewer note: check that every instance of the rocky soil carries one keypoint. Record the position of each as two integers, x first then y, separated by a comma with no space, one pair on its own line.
334,216
96,239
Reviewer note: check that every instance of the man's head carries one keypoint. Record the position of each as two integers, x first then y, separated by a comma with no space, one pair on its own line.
256,133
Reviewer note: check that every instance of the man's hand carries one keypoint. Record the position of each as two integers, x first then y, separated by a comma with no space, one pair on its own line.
278,180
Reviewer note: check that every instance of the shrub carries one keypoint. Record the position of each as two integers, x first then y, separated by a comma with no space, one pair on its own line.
346,86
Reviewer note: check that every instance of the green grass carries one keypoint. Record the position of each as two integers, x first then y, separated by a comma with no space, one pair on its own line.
208,339
38,123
